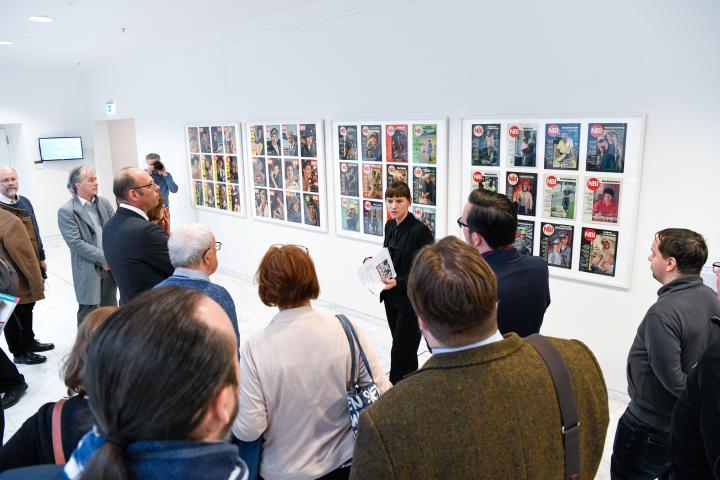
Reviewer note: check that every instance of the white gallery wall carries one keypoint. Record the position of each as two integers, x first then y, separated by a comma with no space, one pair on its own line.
423,58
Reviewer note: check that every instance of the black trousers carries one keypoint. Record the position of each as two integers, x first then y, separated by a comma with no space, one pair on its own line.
19,329
405,341
108,297
9,375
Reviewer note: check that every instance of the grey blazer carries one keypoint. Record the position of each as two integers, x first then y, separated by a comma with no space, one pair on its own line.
85,257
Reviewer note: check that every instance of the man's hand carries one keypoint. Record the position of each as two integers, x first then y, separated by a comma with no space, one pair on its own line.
106,267
43,266
389,283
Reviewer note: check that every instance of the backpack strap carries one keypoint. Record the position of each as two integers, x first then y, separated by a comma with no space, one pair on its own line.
566,399
57,433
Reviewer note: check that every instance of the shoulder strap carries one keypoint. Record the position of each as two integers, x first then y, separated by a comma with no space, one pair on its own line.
346,327
57,433
362,352
568,408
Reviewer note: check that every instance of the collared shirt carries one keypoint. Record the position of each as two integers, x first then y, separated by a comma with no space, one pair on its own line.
84,202
134,209
495,337
190,273
6,200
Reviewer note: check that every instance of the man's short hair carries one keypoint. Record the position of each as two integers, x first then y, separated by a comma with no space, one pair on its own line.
609,191
286,277
188,244
454,291
152,369
76,176
152,156
123,182
398,189
493,216
687,247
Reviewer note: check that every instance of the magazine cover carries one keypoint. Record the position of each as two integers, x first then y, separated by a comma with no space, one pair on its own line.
219,168
396,143
222,197
521,189
598,251
556,244
210,195
562,144
372,181
230,140
424,185
524,237
290,146
311,205
347,142
308,140
7,306
217,139
257,139
349,179
262,207
293,206
234,198
425,143
277,204
350,212
486,144
275,173
483,179
272,141
292,174
397,173
559,196
207,167
371,143
373,218
259,172
193,140
310,176
196,167
198,194
426,215
233,169
204,133
522,145
602,200
606,147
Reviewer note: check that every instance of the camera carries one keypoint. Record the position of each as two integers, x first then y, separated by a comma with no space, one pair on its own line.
159,165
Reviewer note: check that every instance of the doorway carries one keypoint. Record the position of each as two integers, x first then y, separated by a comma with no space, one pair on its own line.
115,148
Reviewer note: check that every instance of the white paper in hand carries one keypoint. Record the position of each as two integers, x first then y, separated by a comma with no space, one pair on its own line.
375,269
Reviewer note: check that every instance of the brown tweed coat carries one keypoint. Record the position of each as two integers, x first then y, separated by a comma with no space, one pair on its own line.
17,246
489,412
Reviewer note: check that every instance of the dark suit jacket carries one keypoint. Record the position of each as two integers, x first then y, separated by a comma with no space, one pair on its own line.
490,412
523,290
413,236
137,253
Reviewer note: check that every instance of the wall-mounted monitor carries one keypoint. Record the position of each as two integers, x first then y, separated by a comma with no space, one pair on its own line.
60,148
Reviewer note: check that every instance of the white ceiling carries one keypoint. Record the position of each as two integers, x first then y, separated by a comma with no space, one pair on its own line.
88,33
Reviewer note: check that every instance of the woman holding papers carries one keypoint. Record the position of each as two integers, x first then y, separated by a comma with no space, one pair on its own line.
404,236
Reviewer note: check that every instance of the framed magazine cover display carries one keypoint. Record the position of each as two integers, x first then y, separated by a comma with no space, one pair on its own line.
286,173
574,181
368,155
214,157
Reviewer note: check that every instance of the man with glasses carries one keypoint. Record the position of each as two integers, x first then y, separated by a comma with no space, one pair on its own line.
136,250
489,223
193,253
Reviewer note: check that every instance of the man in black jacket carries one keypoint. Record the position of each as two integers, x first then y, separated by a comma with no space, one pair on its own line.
670,340
135,248
489,223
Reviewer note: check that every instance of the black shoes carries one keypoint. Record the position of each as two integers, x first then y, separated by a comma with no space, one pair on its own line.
29,358
36,346
13,395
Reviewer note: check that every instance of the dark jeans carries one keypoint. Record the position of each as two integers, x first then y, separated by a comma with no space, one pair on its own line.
406,340
639,451
108,297
19,329
9,375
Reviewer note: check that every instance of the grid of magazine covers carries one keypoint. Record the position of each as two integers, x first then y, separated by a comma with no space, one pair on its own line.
369,156
213,152
286,165
574,183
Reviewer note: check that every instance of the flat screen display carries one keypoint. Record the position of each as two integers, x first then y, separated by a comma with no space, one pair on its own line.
60,148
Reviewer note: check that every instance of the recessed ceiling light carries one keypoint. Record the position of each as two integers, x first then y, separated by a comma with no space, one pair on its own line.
42,19
5,43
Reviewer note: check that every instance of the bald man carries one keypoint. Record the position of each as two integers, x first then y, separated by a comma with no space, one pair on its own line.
136,250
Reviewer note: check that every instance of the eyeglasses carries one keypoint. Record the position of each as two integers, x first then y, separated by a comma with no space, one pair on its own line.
461,224
216,247
716,267
151,184
281,245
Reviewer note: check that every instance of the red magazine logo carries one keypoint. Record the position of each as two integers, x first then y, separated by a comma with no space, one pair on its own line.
368,205
593,184
477,177
391,169
365,130
514,131
342,130
418,172
418,130
513,179
344,202
478,130
551,181
418,212
390,130
343,167
548,229
597,130
590,234
553,130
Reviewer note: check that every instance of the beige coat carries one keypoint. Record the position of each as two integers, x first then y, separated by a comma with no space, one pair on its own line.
293,377
18,248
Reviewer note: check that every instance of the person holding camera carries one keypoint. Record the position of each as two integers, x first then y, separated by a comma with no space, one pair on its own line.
162,178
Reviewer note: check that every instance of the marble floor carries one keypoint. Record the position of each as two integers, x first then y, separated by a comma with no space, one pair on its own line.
55,322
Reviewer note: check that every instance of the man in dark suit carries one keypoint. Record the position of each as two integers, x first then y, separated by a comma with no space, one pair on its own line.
489,223
484,405
135,249
404,236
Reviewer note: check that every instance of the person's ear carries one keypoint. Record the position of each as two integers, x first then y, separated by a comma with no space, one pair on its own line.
671,264
476,239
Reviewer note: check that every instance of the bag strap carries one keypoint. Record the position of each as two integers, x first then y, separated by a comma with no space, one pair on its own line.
345,324
568,408
362,351
57,433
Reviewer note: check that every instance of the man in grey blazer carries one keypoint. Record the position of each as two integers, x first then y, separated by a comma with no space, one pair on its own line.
81,220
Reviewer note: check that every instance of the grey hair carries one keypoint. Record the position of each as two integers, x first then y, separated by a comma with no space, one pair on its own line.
188,243
76,176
